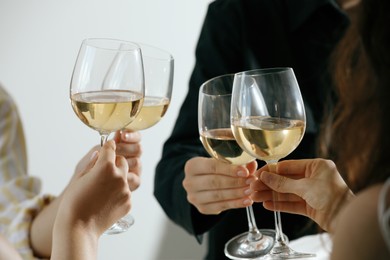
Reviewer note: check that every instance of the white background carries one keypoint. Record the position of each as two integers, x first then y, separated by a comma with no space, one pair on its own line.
39,41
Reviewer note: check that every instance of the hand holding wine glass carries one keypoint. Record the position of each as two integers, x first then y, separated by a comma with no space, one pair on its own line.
217,138
107,90
268,121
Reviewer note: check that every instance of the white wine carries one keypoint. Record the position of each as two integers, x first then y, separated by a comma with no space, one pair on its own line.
221,145
107,111
268,138
152,110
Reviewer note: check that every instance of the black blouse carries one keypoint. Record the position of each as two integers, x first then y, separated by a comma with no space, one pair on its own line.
239,35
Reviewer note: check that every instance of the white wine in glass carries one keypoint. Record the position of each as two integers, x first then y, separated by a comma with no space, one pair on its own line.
158,70
107,91
217,138
269,121
108,110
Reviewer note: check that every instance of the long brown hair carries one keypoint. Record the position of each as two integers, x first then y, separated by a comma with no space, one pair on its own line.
356,134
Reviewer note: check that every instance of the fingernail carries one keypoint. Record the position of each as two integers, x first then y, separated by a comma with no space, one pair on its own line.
93,155
241,173
247,202
247,191
249,181
128,136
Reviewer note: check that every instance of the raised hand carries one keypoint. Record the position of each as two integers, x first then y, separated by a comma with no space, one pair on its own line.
91,203
310,187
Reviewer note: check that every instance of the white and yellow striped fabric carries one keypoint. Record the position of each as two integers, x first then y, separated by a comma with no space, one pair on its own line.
20,198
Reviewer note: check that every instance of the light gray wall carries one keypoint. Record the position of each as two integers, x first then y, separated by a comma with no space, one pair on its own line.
39,41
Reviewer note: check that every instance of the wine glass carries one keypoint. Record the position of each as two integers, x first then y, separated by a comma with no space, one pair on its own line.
107,91
158,70
218,140
268,122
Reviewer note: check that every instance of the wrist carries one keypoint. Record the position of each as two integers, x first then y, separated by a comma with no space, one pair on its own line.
339,205
74,240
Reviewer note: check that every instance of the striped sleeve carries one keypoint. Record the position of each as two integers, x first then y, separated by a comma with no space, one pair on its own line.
20,198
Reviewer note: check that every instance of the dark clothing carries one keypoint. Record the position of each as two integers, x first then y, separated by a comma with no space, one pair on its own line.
239,35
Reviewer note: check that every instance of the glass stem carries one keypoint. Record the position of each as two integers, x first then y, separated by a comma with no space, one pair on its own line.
279,238
254,234
103,139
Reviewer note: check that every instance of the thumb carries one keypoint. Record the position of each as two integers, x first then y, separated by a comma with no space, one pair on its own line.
91,163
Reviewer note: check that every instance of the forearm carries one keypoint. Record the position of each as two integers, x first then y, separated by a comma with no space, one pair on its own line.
343,202
7,251
42,229
74,243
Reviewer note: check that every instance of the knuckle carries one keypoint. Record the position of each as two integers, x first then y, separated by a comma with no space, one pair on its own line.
188,166
186,184
215,183
217,195
109,167
192,199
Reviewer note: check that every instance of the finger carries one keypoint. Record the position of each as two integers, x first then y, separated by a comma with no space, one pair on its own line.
258,185
215,182
117,136
252,166
282,184
93,158
261,196
294,167
129,149
130,137
122,164
202,165
218,207
212,196
288,207
288,167
269,195
135,165
107,152
133,180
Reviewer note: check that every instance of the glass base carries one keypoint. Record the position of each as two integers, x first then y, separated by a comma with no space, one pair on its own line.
239,247
283,251
121,225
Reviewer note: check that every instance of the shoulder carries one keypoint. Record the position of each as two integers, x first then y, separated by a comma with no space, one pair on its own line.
357,234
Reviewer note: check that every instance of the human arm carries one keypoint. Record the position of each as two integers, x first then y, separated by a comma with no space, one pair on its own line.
310,187
92,202
7,250
357,234
127,146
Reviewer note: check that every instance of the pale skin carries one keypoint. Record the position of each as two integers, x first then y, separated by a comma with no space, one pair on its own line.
7,251
213,186
314,188
360,237
128,146
309,187
92,202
